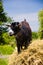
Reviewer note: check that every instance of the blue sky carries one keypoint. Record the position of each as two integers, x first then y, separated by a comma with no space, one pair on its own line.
20,9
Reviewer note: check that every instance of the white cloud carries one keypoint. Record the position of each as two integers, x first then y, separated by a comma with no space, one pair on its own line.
32,19
29,17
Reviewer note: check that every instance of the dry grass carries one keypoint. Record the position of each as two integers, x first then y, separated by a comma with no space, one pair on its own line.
32,56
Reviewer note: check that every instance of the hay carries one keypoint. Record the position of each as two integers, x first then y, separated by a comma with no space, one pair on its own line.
31,56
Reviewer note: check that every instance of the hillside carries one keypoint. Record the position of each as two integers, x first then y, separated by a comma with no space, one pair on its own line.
32,56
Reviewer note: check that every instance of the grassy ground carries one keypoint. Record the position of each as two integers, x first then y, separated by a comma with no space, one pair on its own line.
3,62
6,49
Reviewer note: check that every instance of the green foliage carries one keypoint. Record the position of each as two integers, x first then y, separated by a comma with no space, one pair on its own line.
6,49
2,30
9,39
40,17
1,38
34,35
1,7
9,19
41,13
3,62
40,34
3,17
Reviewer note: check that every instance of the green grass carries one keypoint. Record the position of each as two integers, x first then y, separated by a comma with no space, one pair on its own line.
6,49
3,62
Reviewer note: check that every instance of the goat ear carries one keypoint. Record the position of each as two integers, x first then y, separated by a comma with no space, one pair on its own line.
19,25
8,25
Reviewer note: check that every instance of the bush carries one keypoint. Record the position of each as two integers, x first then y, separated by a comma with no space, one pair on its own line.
40,17
8,39
34,35
6,49
40,34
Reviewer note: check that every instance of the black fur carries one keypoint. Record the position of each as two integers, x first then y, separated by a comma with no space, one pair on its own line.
23,34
